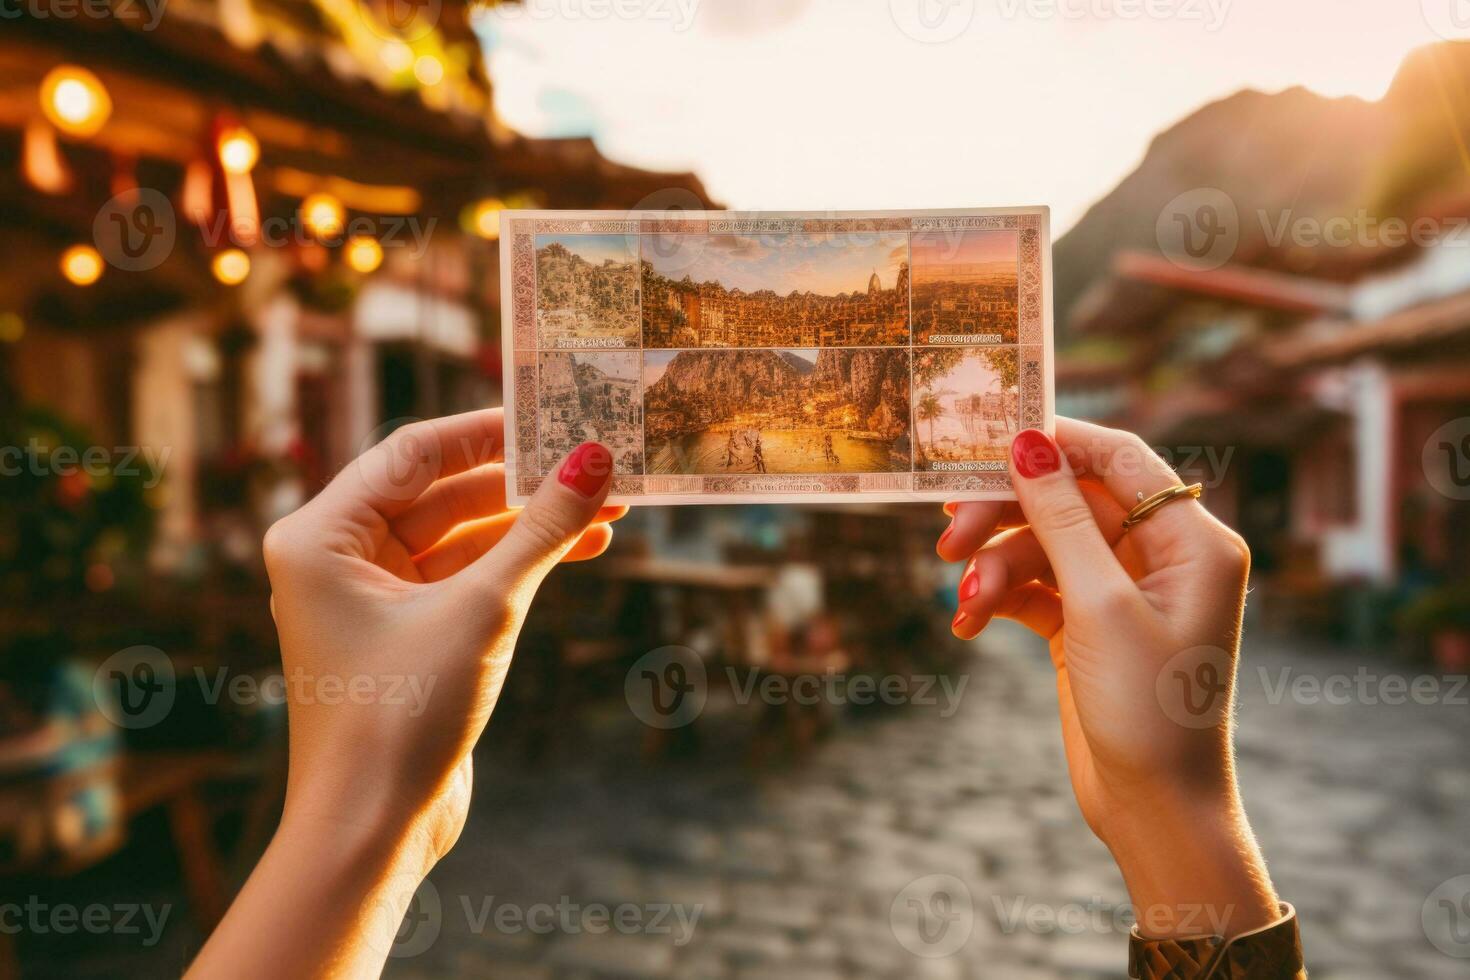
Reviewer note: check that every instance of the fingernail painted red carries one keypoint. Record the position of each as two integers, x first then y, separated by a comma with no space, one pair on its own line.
586,469
945,536
960,619
970,584
1035,454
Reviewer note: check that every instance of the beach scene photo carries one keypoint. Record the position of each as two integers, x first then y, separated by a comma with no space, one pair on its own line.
966,407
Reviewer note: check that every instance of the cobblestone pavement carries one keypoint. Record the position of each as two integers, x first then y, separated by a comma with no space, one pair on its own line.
807,870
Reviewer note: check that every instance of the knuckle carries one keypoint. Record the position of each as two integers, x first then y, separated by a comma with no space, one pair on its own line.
544,530
277,547
1228,551
1062,513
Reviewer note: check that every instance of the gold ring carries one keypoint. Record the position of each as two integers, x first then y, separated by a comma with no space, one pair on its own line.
1145,507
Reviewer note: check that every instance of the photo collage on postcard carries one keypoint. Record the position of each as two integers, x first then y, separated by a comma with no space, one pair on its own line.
765,356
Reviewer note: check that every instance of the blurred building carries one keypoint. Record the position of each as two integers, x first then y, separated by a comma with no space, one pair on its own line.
1314,380
255,232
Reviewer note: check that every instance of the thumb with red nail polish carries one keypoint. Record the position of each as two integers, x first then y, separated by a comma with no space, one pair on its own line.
555,517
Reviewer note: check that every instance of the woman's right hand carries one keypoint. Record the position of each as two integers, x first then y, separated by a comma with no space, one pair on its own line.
1144,632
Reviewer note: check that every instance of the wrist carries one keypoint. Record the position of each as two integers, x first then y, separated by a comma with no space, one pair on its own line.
1191,865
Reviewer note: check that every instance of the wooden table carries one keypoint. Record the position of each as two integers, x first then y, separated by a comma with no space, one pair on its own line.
740,589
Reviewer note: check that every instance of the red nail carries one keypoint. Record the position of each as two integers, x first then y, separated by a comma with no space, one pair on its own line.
970,584
1034,454
960,619
586,469
944,537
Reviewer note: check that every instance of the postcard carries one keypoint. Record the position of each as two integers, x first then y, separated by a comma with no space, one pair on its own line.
740,357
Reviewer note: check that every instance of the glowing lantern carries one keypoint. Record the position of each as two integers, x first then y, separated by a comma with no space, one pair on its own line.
397,56
231,266
323,215
485,218
238,150
364,254
82,265
75,101
429,70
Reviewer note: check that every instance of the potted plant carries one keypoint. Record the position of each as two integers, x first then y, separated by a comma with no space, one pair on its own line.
1443,615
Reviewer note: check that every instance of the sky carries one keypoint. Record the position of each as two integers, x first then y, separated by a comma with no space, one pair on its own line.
594,248
869,104
969,248
827,265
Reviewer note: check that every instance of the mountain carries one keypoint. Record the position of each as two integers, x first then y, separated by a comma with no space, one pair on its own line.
798,364
864,388
1292,154
721,384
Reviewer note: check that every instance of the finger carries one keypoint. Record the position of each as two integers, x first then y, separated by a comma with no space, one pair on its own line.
593,542
1132,471
460,499
1015,558
551,522
389,477
972,524
464,545
470,496
1035,607
1062,521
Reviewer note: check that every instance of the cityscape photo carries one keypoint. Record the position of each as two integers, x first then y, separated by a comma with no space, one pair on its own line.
777,411
591,395
779,290
965,287
966,406
587,290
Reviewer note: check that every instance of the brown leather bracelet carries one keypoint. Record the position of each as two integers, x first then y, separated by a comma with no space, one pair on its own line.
1272,952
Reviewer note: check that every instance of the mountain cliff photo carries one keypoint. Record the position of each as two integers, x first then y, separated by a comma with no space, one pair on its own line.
777,411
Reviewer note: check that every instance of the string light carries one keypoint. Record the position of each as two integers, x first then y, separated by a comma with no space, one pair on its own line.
231,266
82,265
323,215
429,70
485,218
75,100
364,254
397,56
239,150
